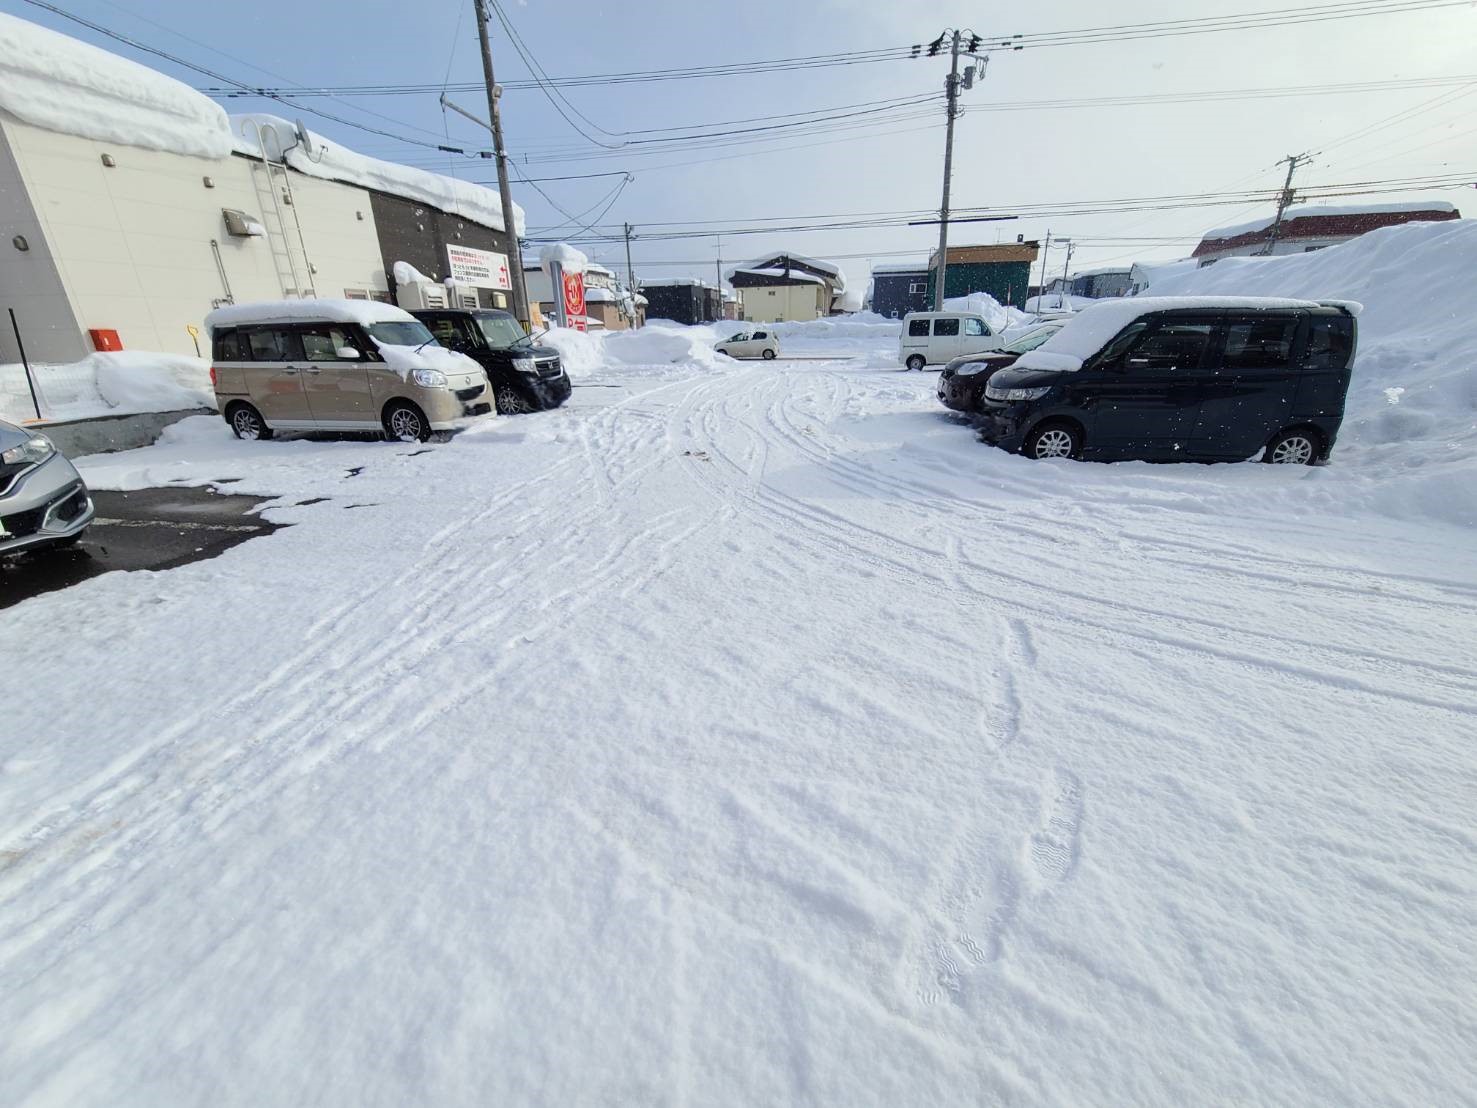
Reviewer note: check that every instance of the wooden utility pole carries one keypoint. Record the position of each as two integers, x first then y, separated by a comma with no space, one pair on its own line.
505,193
630,275
951,88
1284,199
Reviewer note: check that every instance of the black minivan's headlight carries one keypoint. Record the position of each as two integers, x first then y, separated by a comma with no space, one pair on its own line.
994,393
31,452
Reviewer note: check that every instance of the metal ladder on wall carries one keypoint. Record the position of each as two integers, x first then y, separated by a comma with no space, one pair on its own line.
279,212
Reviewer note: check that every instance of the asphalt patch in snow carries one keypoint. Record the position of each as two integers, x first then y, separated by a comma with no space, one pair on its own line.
158,529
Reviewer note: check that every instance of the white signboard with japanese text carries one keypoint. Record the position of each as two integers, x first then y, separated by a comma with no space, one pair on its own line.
482,269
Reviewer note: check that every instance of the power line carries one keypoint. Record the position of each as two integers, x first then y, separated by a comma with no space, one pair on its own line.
175,59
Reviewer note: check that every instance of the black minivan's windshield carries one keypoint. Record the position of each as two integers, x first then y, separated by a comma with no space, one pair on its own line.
410,332
501,330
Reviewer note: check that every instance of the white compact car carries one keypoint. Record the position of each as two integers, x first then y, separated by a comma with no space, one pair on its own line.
751,344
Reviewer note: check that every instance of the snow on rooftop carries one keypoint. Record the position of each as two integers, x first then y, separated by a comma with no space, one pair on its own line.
902,267
772,263
792,275
1318,211
1090,329
363,312
333,162
600,296
58,83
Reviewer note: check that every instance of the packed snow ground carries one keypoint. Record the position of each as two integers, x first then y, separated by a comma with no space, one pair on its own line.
748,733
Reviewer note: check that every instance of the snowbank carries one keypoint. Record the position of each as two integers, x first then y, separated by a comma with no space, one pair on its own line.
997,315
656,344
55,82
123,382
1412,406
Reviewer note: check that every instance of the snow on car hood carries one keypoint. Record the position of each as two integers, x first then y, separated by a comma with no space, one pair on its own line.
404,359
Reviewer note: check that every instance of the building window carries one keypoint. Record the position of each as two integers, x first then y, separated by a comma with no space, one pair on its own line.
916,287
355,294
771,292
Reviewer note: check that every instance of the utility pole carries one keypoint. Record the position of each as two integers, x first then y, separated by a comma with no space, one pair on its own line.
1284,200
505,193
1041,291
630,275
1071,246
951,90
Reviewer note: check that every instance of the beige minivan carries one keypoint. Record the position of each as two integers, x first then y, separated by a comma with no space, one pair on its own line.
338,365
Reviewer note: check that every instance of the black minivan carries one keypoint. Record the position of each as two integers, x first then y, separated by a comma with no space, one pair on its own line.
524,377
1202,379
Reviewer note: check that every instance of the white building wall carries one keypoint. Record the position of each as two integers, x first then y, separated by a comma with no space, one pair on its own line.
29,281
131,242
771,304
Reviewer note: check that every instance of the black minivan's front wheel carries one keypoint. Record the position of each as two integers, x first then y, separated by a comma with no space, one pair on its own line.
1292,448
1053,440
247,422
404,422
511,402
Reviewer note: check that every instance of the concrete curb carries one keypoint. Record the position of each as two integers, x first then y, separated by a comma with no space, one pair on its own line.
106,434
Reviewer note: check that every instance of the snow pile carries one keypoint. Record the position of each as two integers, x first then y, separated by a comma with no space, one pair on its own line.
55,82
664,345
997,315
568,258
332,162
123,382
1056,301
1089,331
1416,335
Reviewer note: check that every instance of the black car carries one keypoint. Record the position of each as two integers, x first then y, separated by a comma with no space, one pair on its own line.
962,382
1208,379
524,377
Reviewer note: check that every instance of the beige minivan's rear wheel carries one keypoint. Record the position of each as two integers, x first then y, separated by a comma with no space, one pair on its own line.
404,422
247,422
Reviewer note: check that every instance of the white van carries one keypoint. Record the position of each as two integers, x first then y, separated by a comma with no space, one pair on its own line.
338,365
931,338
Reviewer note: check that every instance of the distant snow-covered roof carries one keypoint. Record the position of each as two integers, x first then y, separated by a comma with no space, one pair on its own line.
338,163
1317,211
57,83
792,275
363,312
600,296
902,267
771,263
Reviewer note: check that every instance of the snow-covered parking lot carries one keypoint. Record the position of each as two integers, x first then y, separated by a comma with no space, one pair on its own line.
745,736
748,733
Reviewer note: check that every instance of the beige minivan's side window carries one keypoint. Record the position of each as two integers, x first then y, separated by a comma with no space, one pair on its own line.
323,341
269,344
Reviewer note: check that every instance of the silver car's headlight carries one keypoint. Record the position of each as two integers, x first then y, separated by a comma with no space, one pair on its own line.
969,369
429,378
525,365
993,393
31,452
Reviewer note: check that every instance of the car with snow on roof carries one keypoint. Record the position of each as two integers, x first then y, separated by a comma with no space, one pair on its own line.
961,383
1181,378
338,365
525,377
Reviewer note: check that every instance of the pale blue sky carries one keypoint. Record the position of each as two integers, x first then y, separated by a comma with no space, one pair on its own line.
1002,157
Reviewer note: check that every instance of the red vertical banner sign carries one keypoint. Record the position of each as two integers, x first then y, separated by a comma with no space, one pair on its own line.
574,299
